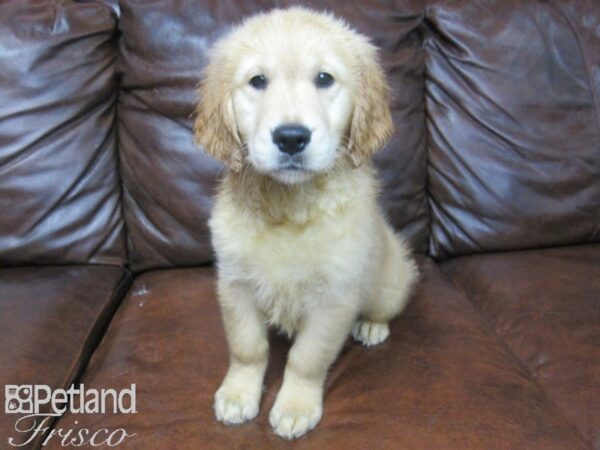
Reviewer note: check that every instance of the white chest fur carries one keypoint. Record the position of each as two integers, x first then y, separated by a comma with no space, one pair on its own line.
316,247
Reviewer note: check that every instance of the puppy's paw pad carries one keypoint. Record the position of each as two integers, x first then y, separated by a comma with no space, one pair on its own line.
234,406
292,419
370,333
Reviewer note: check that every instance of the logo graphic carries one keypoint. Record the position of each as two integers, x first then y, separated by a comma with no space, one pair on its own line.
18,399
37,404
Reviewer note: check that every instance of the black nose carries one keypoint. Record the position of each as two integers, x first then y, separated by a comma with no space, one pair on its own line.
291,138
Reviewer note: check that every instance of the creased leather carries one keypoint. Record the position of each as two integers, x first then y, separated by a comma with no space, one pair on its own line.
513,131
59,183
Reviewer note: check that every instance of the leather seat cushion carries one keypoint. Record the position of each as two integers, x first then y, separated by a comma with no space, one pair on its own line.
442,380
51,319
545,304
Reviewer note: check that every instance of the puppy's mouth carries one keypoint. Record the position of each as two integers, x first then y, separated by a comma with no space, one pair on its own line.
292,170
291,167
291,163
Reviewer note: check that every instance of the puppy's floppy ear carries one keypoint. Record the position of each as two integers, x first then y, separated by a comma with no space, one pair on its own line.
371,126
215,127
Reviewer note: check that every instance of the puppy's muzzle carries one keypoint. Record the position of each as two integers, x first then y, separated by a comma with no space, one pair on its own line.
291,138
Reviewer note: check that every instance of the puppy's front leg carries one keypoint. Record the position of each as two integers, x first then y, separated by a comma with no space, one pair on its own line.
299,403
238,398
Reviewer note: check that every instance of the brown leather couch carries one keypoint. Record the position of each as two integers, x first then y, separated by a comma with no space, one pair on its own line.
493,175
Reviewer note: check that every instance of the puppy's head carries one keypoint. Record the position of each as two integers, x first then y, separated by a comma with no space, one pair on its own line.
292,92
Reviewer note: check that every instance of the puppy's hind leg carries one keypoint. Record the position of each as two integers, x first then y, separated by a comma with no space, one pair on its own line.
370,333
389,294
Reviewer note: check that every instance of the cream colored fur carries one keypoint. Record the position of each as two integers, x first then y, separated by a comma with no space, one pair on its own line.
308,252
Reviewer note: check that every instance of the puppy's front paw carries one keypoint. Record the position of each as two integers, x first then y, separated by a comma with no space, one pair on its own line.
296,411
370,333
237,402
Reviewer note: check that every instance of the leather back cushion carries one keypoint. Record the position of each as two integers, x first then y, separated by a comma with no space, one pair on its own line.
59,184
513,98
168,183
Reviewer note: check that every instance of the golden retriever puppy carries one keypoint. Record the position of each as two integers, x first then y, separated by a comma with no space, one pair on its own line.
295,102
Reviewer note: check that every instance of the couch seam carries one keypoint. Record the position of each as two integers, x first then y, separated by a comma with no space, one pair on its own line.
486,323
428,197
117,151
90,344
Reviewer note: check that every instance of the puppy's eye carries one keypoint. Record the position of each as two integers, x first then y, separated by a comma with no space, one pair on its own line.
324,80
258,82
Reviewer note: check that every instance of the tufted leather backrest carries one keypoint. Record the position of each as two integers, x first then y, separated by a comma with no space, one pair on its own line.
513,103
168,183
59,183
496,106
